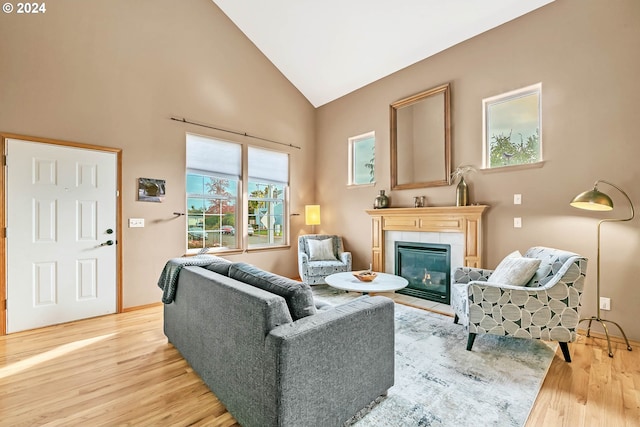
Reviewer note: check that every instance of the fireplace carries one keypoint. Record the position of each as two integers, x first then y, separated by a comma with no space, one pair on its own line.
427,267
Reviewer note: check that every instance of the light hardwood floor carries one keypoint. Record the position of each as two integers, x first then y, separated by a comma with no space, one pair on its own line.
119,370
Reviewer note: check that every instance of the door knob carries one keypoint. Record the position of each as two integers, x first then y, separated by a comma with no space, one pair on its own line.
107,243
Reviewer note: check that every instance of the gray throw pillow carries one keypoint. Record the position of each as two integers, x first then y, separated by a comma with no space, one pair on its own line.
298,295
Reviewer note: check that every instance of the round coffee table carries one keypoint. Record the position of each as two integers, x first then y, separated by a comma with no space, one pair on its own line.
384,282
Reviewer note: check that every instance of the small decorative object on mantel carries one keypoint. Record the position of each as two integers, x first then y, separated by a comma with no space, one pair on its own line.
381,201
462,190
419,202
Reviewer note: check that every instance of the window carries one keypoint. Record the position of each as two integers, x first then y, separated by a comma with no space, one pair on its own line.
220,212
213,182
268,178
362,156
511,128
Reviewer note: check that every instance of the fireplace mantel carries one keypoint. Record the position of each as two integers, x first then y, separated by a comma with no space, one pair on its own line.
448,219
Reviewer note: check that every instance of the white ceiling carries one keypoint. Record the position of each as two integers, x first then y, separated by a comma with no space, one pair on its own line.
329,48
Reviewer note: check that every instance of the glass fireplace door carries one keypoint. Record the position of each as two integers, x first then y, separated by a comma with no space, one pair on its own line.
427,267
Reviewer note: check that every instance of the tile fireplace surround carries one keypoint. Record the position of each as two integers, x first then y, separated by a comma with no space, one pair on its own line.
428,224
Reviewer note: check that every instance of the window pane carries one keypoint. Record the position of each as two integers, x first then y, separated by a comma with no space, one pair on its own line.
362,155
211,214
195,184
266,214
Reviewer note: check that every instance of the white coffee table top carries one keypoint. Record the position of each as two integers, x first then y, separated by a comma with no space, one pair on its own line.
384,282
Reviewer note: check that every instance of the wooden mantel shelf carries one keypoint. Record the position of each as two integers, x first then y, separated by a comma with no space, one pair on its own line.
446,219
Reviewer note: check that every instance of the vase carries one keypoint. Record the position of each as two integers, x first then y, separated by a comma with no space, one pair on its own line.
381,201
462,193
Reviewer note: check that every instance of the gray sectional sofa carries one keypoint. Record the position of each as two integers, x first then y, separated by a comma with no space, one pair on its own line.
269,354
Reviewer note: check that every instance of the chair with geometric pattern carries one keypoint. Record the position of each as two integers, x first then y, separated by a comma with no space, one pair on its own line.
546,306
320,255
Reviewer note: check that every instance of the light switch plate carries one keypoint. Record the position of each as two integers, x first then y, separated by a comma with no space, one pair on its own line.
136,222
517,222
517,199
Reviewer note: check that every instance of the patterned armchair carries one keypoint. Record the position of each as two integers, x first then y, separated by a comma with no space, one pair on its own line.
321,258
546,308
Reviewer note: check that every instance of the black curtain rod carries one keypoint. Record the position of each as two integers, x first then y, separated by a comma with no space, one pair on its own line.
183,120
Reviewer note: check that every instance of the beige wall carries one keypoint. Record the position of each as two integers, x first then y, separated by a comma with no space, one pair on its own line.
586,53
111,73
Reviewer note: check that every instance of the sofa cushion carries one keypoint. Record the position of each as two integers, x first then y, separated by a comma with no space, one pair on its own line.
219,265
325,268
514,270
298,295
321,250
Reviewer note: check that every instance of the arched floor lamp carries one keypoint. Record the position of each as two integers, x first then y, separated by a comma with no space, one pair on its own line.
594,200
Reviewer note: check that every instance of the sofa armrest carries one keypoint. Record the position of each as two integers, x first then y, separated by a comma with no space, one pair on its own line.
303,263
328,366
470,274
345,257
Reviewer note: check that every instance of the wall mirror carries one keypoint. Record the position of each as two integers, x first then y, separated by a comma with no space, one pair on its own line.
421,140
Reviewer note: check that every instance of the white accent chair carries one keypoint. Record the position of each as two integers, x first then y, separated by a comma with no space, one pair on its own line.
321,258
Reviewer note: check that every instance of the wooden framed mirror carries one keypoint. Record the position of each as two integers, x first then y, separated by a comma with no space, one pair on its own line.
421,139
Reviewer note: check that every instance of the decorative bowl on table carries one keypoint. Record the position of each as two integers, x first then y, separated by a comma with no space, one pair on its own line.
365,276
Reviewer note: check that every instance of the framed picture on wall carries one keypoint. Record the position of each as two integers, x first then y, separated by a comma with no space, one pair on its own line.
151,190
511,128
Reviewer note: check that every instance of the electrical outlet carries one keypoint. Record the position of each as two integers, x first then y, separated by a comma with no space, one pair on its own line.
517,199
605,303
136,222
517,222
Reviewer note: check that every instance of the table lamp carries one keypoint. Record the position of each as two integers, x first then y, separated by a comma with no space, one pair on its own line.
312,216
594,200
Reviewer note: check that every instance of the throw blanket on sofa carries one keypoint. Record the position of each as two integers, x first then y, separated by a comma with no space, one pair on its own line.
169,276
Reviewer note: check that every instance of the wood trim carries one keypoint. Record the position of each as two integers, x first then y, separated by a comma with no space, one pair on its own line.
3,217
447,219
602,336
445,89
141,307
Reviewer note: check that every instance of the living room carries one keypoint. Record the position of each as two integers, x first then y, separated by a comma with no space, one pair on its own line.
112,74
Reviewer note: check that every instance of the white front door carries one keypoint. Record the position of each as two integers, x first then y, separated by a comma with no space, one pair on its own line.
61,236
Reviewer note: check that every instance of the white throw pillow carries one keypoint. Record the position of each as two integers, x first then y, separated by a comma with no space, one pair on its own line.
321,250
514,270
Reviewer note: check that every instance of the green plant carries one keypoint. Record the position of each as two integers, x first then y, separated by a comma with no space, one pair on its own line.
504,152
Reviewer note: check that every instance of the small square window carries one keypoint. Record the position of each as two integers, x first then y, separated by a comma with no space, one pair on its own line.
511,128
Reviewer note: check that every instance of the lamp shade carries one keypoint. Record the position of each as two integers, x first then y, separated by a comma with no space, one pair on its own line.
312,214
592,200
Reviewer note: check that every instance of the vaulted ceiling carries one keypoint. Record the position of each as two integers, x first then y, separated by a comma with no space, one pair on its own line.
329,48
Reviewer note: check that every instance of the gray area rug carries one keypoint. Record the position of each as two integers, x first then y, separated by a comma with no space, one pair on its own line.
439,383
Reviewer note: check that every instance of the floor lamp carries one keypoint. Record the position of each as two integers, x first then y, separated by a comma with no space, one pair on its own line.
594,200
